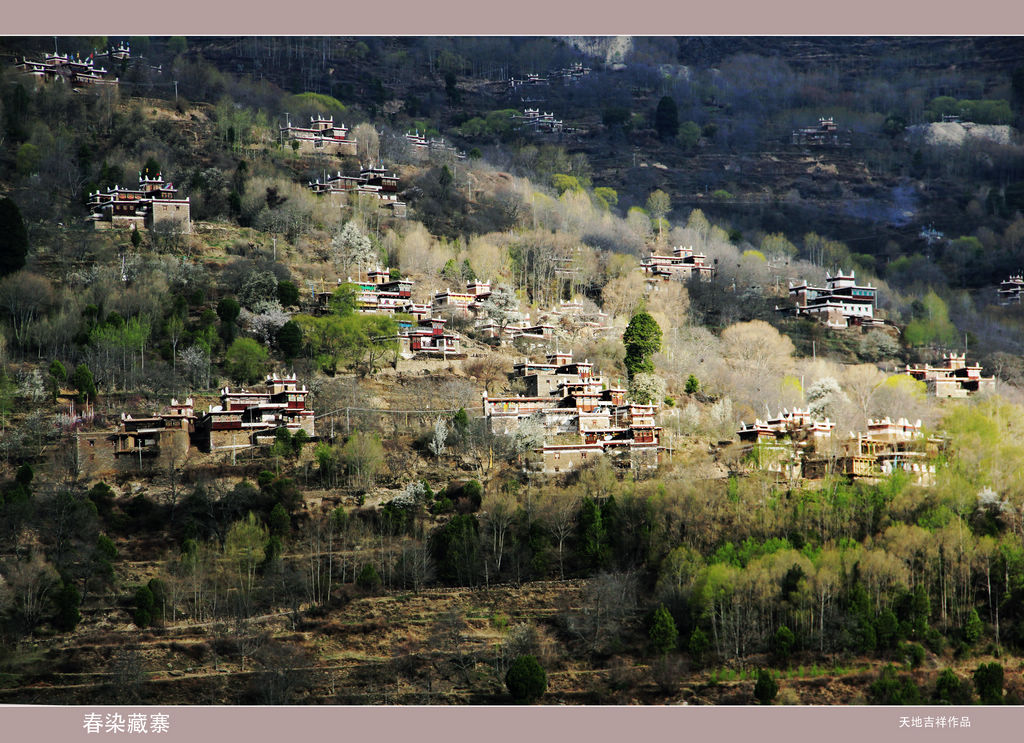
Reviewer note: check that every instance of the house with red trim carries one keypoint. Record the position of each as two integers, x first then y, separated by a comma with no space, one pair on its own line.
155,200
955,378
322,135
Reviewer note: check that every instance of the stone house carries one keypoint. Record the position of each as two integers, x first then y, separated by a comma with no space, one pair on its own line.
888,446
680,266
320,136
246,418
154,201
1010,289
956,378
826,132
842,302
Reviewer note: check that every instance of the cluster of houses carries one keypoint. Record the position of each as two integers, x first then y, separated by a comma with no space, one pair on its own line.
154,201
534,120
426,335
582,417
826,132
518,325
74,70
955,378
795,445
842,302
683,264
244,419
572,73
372,180
567,315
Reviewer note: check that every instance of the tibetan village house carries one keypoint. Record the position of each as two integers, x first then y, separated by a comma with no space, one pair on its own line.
1009,290
842,302
781,444
427,337
888,447
320,136
154,201
79,73
246,418
462,302
956,378
371,181
680,266
826,132
421,147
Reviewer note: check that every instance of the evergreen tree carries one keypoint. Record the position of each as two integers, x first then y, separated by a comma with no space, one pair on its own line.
692,385
57,376
698,645
289,340
766,687
949,689
988,680
782,643
972,627
82,379
145,604
67,601
368,578
593,539
526,679
890,688
13,238
666,118
642,340
663,631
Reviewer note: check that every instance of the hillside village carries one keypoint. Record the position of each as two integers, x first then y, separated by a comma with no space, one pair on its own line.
330,390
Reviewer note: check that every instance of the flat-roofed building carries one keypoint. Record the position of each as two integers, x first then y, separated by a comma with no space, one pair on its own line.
955,378
840,303
154,201
322,135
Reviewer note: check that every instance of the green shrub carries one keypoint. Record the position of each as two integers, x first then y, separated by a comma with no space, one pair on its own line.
526,679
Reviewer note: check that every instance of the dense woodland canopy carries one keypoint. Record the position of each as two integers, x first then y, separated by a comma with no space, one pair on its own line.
676,584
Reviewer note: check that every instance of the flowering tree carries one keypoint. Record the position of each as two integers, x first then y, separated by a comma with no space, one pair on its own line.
350,247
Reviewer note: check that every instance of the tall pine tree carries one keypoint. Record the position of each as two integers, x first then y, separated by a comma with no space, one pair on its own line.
13,238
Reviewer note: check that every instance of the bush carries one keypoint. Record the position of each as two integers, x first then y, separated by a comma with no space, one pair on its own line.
67,600
889,688
782,643
692,385
368,578
988,680
766,687
526,679
949,689
914,653
145,604
245,361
